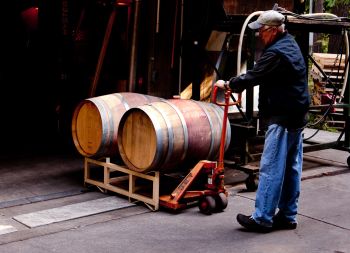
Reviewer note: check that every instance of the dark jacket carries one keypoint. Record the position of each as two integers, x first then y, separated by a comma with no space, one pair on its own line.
281,73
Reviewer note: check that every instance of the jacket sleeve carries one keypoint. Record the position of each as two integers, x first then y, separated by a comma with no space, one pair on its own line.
268,62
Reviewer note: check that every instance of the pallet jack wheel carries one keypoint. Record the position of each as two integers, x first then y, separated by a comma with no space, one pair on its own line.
207,205
221,201
251,183
348,161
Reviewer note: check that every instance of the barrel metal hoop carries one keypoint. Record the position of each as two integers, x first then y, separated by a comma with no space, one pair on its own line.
122,100
170,134
184,127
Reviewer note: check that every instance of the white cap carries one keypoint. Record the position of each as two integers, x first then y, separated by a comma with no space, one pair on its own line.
270,18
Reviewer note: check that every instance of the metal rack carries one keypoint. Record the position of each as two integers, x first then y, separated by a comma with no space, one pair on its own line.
249,132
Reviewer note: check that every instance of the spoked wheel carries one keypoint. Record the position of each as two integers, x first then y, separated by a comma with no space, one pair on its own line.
348,161
221,201
207,204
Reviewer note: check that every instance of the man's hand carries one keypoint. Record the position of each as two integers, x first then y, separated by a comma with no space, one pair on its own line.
222,84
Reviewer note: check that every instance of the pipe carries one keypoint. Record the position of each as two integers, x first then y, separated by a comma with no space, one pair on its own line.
158,14
174,35
321,15
311,34
181,34
346,73
134,44
102,55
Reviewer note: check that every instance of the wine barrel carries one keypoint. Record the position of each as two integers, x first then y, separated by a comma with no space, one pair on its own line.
95,122
204,124
162,135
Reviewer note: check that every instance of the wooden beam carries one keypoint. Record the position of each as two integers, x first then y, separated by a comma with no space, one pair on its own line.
316,25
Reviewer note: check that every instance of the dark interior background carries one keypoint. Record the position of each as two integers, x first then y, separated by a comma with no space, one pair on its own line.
49,51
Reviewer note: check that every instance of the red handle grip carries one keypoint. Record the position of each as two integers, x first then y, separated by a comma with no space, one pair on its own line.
227,97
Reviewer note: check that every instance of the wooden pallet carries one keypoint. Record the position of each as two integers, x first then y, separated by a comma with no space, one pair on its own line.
124,181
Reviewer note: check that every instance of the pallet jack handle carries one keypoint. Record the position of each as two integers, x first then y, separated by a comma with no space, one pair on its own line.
226,104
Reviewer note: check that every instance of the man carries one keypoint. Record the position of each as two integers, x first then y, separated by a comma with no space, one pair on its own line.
283,105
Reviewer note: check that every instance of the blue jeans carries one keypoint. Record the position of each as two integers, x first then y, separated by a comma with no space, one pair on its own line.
279,175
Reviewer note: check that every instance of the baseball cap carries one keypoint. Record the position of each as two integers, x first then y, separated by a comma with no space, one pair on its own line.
270,18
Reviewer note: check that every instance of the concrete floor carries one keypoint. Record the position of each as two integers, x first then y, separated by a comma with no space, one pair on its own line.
33,183
324,226
25,179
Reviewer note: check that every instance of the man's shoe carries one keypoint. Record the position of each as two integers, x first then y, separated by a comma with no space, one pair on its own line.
251,225
280,222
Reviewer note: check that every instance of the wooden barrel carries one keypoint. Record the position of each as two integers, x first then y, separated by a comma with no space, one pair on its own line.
162,135
204,124
95,122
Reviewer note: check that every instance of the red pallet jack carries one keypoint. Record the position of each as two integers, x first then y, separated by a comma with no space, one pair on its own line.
212,197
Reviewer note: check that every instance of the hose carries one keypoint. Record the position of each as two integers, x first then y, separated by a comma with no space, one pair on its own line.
239,53
333,17
313,16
